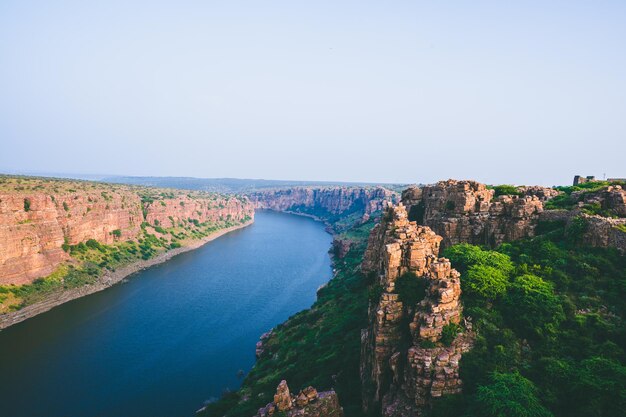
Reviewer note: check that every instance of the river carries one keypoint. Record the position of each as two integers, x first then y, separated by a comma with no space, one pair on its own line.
172,336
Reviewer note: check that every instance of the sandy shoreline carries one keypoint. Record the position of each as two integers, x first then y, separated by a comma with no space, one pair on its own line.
105,281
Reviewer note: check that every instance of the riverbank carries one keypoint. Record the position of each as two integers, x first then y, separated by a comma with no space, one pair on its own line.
105,281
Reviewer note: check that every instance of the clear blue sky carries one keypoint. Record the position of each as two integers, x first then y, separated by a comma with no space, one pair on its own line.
398,91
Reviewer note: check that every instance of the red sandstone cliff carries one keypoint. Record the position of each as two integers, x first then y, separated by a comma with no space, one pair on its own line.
38,216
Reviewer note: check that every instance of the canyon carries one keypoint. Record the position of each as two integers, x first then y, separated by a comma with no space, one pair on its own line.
328,204
43,222
415,334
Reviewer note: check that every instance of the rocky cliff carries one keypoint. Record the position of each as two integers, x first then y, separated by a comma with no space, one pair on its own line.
405,361
39,217
326,203
307,403
468,212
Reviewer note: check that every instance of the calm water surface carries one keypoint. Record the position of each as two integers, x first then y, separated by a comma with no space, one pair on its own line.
173,336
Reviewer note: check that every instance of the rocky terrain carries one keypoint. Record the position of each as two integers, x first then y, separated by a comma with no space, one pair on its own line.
45,223
470,212
404,362
415,339
329,204
467,211
307,403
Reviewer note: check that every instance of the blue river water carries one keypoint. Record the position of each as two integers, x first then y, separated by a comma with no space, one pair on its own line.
173,336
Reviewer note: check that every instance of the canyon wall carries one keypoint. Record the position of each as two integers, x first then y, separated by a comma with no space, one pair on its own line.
172,211
38,217
325,202
468,212
404,361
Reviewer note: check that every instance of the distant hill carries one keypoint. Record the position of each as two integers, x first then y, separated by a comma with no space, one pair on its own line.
232,185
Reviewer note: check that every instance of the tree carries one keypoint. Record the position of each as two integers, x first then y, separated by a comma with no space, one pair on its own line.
509,395
464,256
531,305
485,281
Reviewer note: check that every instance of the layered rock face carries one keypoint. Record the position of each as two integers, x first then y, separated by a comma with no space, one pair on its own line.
403,362
308,403
31,240
467,212
324,201
170,212
605,232
36,221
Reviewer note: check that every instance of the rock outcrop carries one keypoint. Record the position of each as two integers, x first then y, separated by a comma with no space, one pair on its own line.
404,363
467,212
37,217
604,232
611,199
307,403
325,202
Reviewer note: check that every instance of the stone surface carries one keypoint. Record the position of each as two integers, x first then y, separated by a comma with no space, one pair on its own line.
341,247
324,201
36,221
397,380
307,403
467,212
611,198
605,232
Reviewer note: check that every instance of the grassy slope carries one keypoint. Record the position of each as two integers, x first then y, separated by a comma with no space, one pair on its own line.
319,346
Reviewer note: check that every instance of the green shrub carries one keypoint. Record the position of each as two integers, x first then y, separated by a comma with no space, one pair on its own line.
94,244
532,306
117,233
486,281
505,190
26,204
509,395
464,255
449,333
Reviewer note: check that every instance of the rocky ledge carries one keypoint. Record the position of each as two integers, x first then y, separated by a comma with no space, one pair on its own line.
307,403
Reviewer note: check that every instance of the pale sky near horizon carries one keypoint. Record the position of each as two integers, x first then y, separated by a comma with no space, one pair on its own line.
527,92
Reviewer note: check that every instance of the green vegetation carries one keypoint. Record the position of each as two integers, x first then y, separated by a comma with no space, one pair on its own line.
567,201
551,333
26,204
340,222
319,346
548,311
505,190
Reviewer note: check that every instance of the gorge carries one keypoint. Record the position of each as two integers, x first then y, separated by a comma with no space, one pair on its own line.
437,295
173,336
